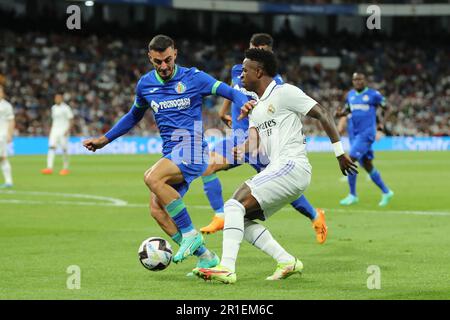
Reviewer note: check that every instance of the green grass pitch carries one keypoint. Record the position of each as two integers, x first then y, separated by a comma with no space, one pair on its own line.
49,223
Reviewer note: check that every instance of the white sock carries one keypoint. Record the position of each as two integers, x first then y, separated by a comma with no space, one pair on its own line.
260,237
233,233
191,233
6,169
65,159
50,158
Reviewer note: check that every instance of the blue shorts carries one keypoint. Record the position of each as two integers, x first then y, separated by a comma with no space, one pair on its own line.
224,148
190,172
361,147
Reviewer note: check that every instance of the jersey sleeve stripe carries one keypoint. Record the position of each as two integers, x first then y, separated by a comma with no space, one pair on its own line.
215,86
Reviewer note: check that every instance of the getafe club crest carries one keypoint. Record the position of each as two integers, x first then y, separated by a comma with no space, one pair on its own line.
366,98
271,109
180,87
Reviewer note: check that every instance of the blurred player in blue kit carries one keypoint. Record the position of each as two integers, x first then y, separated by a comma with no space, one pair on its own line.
360,108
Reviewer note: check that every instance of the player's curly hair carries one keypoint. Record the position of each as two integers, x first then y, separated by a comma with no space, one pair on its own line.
265,58
160,43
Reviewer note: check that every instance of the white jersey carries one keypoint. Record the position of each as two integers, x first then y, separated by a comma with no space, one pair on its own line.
6,115
277,118
61,116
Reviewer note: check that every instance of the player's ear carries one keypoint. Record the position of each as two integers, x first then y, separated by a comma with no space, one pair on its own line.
175,51
150,57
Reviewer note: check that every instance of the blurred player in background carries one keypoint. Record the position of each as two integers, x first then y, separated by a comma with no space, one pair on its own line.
275,123
362,103
222,159
6,135
59,135
175,95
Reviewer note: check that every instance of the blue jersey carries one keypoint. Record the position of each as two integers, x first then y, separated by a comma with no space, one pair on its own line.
177,107
362,106
236,83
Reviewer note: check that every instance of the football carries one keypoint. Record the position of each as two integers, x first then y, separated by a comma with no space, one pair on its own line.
155,253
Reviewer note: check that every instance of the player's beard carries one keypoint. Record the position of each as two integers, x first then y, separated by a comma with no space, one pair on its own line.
165,74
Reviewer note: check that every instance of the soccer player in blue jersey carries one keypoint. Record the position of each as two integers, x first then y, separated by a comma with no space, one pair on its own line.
221,157
362,103
174,93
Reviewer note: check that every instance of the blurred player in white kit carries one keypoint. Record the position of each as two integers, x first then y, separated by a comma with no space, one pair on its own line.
59,135
6,133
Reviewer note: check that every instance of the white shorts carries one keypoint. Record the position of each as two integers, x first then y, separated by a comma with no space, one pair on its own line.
280,184
3,147
58,139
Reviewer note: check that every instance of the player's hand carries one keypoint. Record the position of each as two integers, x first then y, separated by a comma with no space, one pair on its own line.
226,118
347,165
93,144
238,152
247,108
9,139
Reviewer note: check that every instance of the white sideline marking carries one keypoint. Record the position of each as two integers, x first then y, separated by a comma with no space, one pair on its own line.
114,202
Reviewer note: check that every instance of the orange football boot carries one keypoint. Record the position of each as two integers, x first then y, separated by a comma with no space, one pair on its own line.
216,224
64,172
47,171
320,227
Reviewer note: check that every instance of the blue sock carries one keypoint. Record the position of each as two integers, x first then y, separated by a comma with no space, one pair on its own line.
178,212
352,183
304,207
177,237
213,190
376,178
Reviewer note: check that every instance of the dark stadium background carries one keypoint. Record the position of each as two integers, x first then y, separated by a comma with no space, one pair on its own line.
408,60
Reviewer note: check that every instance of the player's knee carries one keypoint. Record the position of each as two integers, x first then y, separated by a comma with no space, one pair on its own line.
232,206
152,181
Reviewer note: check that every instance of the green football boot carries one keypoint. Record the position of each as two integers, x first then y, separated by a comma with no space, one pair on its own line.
187,247
349,200
218,273
385,198
205,263
285,270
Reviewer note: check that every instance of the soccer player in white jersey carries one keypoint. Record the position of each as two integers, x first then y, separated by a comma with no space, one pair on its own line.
59,135
275,124
6,134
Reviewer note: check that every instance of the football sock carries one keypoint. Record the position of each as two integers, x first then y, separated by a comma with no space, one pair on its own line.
177,237
65,160
213,190
6,169
178,212
50,158
303,206
376,178
260,237
352,183
233,233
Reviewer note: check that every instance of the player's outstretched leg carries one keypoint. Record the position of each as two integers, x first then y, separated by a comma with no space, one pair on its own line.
317,216
170,198
6,170
50,161
213,190
261,238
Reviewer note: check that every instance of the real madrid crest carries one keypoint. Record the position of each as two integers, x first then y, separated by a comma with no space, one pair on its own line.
180,87
271,109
